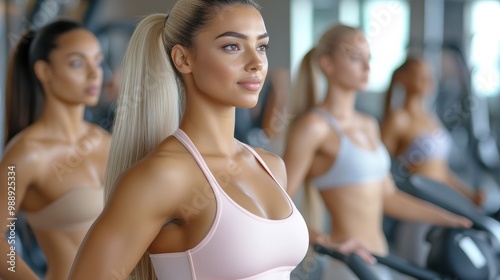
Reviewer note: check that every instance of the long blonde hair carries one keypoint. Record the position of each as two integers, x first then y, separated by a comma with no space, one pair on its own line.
306,95
148,106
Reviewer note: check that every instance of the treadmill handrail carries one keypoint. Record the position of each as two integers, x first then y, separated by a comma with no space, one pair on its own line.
357,265
408,268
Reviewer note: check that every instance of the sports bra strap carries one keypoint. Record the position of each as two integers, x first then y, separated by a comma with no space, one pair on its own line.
329,119
261,161
186,142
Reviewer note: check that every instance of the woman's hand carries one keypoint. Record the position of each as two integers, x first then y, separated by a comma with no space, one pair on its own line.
455,221
478,197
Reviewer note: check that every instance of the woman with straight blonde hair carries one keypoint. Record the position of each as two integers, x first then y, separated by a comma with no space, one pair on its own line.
338,150
185,200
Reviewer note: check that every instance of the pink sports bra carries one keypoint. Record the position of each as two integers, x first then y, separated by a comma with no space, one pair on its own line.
240,244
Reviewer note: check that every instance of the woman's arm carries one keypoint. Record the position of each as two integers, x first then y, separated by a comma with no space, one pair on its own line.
18,169
303,140
142,200
390,132
402,206
477,197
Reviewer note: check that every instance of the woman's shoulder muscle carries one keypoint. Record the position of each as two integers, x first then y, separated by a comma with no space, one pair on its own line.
27,151
309,127
163,178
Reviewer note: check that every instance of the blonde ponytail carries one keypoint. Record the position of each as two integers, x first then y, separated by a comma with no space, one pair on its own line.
147,107
305,93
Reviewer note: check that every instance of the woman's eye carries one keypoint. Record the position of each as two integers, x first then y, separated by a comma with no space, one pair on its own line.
231,48
76,63
263,48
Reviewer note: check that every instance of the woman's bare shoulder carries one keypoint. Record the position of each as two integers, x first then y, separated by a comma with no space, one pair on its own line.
310,125
398,119
167,170
27,148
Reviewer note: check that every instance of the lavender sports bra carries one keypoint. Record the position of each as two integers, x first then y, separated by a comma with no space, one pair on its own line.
353,165
240,244
432,145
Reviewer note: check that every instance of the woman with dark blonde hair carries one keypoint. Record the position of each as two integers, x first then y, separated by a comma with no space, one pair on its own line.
419,144
413,135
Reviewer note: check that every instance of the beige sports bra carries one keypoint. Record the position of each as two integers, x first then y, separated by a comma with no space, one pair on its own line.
74,210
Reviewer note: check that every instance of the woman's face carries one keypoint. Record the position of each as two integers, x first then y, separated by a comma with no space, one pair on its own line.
73,74
350,63
418,79
229,63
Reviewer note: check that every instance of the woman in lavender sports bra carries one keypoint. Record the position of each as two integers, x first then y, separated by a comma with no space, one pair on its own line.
420,145
185,200
54,160
413,135
338,150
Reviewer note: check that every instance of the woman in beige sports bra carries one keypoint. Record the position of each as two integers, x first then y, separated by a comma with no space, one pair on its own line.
56,160
338,150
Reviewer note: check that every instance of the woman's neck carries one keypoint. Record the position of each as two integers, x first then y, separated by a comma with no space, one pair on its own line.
210,128
414,103
340,102
63,120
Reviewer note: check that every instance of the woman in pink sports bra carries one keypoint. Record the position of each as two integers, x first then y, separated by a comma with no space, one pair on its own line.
413,136
54,160
185,200
337,149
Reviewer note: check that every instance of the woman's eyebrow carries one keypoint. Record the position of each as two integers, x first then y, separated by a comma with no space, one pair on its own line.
240,35
80,54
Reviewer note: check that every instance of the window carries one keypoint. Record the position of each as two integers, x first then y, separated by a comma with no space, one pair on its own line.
485,47
386,25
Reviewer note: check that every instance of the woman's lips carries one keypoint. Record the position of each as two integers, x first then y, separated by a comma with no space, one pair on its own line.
92,90
251,84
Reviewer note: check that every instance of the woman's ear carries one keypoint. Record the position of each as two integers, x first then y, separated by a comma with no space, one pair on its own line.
326,64
42,71
181,59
